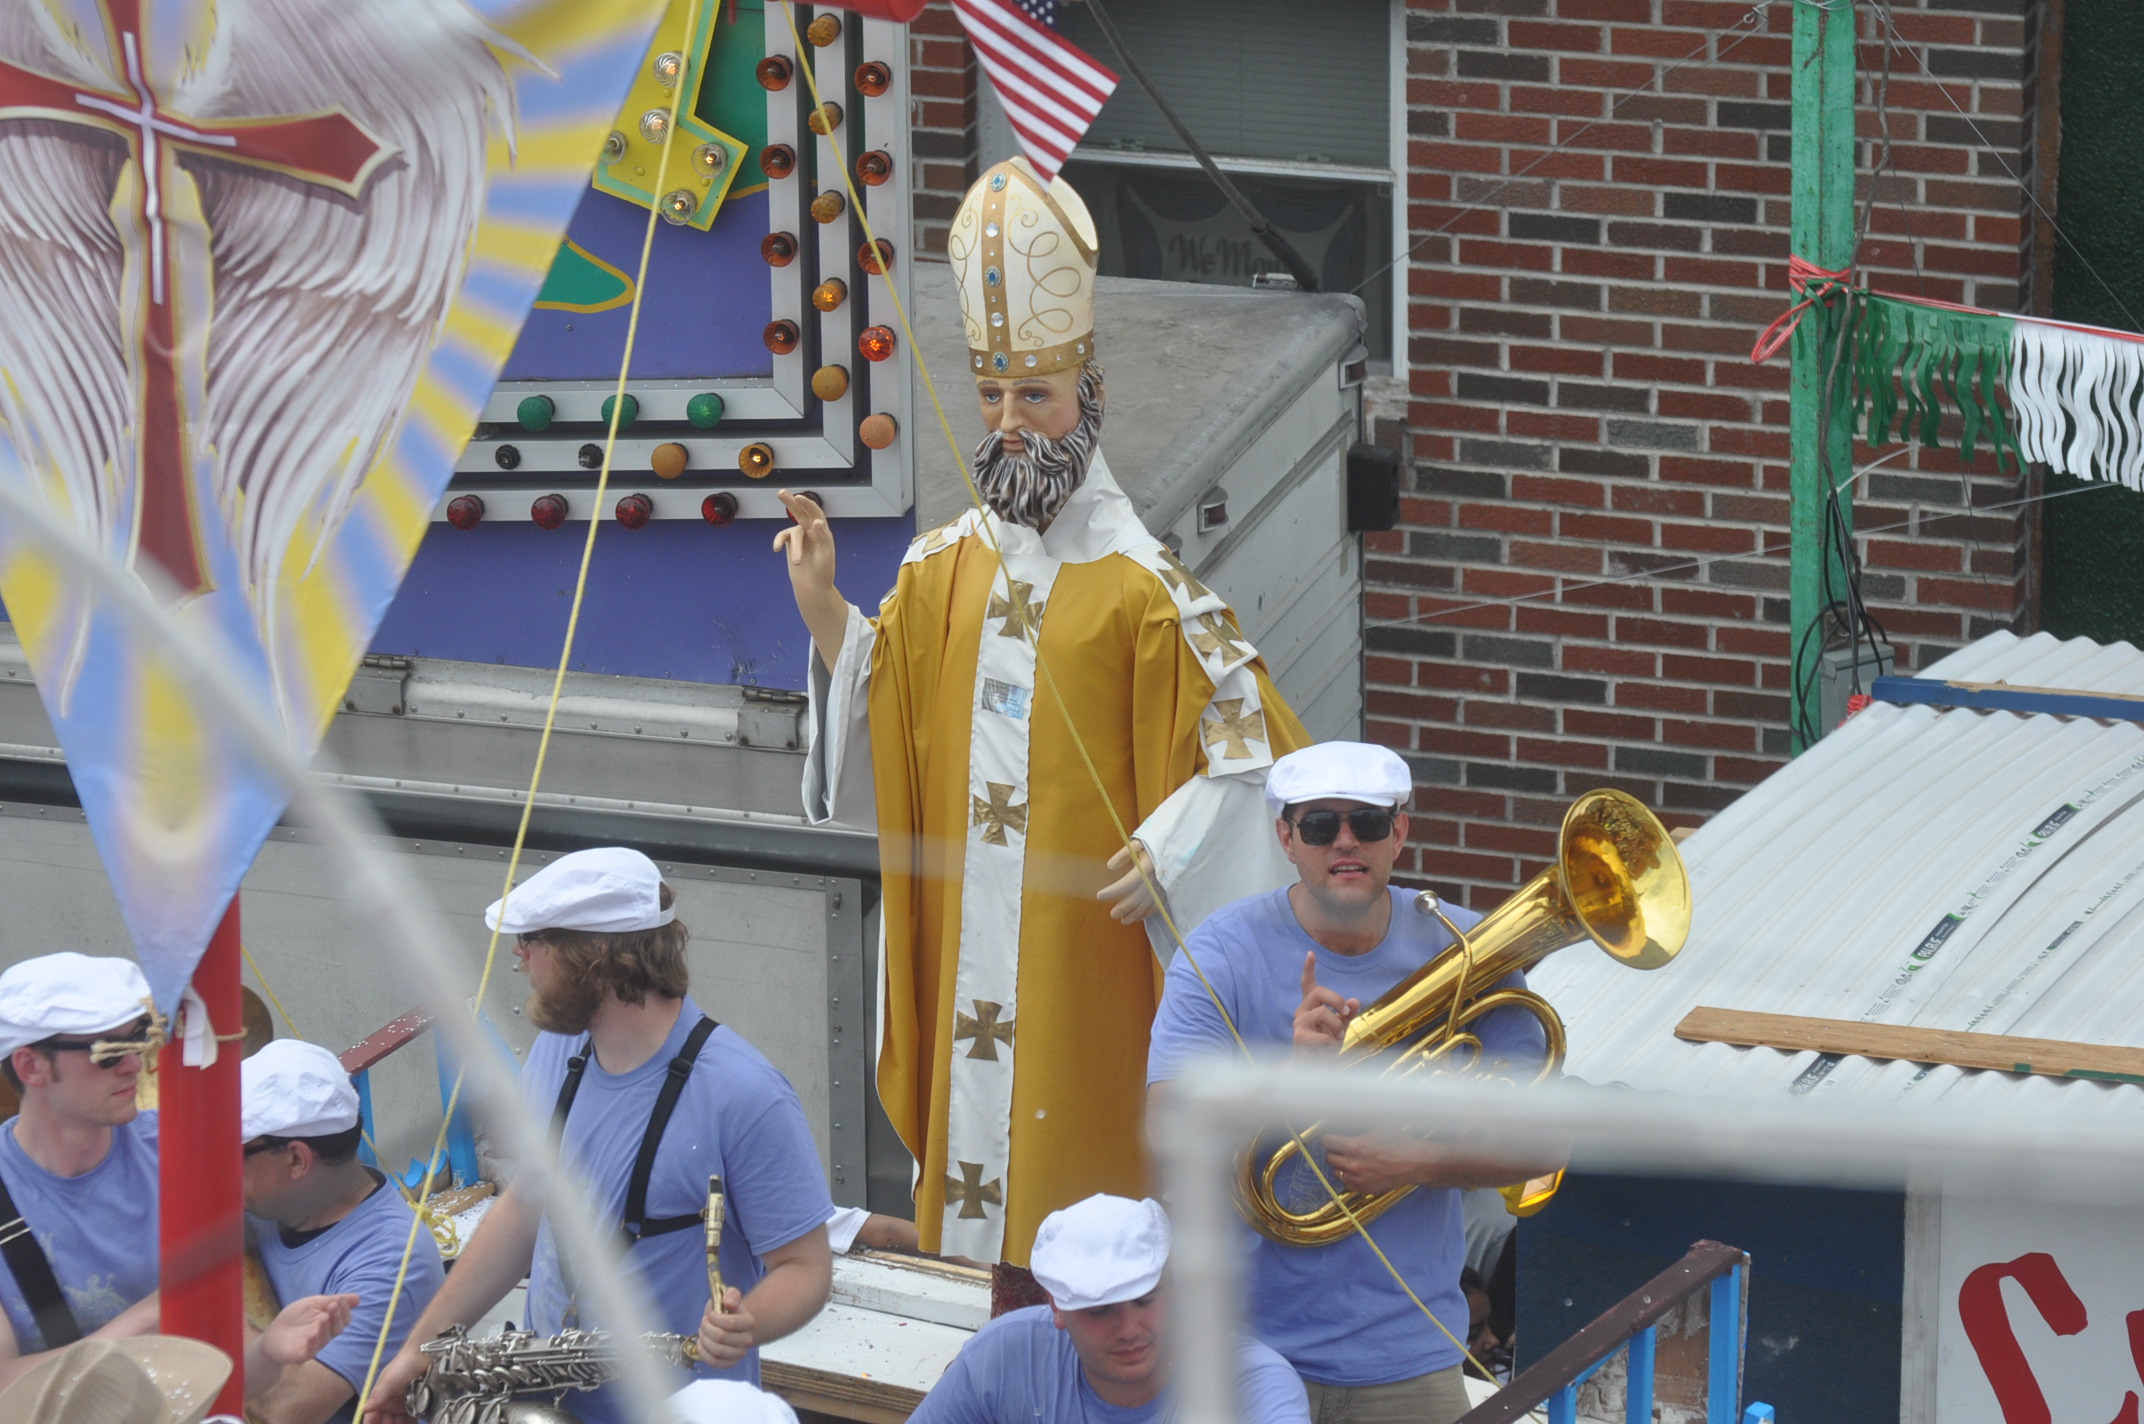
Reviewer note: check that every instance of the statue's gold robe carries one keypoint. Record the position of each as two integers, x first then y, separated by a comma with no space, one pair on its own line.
1015,1011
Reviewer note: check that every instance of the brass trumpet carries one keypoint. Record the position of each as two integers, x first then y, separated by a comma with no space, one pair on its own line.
1617,880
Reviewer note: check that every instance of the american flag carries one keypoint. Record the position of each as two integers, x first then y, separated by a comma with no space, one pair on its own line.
1051,89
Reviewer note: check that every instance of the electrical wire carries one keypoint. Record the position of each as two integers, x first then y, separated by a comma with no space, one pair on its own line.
1699,565
550,716
1021,617
1751,20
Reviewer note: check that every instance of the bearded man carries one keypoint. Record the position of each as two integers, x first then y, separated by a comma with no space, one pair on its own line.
1044,679
648,1098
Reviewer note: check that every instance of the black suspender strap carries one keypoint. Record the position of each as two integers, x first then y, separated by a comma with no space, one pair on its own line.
56,1324
570,1089
636,1224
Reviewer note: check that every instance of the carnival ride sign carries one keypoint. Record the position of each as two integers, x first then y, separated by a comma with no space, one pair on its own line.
260,263
2042,1313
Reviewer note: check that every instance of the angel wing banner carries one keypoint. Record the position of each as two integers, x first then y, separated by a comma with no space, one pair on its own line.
260,262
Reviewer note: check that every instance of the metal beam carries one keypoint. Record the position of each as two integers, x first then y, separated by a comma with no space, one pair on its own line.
1821,448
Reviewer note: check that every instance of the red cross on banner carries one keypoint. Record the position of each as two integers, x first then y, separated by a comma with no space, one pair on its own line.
328,149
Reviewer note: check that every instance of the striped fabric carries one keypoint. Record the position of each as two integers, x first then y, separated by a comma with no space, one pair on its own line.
1051,89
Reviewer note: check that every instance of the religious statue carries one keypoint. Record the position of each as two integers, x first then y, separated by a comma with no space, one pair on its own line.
1045,678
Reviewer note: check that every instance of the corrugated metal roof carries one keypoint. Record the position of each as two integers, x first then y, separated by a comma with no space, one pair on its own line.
1947,869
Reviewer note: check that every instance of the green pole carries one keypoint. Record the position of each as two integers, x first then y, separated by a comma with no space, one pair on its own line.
1823,234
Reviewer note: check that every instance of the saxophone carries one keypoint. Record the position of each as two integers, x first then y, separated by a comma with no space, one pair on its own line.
500,1378
485,1381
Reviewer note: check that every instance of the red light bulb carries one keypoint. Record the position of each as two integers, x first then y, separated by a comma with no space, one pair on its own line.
779,248
875,258
773,73
548,510
872,78
781,337
875,342
465,511
719,508
874,167
635,510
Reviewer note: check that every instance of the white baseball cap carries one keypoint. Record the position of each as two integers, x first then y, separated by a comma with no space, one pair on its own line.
1346,771
728,1402
1100,1251
294,1089
610,890
68,993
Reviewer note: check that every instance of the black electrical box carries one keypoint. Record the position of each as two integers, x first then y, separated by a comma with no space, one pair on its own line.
1373,488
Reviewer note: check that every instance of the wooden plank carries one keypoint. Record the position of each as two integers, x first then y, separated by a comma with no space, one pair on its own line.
1606,1333
2009,697
385,1039
2000,1052
844,1396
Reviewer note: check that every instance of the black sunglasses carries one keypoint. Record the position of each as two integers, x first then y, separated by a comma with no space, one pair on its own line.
1321,828
142,1039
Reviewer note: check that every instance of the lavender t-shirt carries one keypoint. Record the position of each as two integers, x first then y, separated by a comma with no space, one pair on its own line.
1358,1327
738,1119
98,1229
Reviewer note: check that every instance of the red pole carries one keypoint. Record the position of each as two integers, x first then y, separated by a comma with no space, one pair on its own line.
199,1175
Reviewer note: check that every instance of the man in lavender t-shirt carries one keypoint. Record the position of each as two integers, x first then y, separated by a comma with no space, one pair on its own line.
1291,968
605,955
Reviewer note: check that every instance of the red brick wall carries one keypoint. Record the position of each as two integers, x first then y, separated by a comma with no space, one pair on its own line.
942,89
1585,422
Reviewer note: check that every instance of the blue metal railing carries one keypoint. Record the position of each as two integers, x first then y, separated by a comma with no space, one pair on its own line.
1631,1328
458,1162
1723,1366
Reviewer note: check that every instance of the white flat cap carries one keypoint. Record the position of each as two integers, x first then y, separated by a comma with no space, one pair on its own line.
610,890
1349,771
1100,1251
294,1089
73,994
728,1402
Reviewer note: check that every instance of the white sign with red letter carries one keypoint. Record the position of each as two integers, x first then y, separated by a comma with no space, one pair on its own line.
2043,1313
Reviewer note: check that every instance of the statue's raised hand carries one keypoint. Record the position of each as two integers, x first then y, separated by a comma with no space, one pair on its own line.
809,543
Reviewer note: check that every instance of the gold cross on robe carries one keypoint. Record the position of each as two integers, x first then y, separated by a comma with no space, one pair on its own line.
1016,624
1230,725
936,539
998,814
971,1191
984,1028
1218,637
1178,575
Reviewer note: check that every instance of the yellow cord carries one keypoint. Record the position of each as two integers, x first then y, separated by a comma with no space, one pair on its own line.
1022,617
558,685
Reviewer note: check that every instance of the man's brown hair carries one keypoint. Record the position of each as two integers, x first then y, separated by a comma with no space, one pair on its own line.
632,965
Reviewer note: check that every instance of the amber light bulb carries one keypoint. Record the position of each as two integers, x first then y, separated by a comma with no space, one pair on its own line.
876,258
875,342
874,168
873,79
779,248
773,73
830,383
756,460
830,294
824,119
878,431
827,207
780,336
777,160
824,30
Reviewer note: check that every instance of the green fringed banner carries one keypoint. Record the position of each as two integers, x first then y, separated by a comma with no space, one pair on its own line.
1910,364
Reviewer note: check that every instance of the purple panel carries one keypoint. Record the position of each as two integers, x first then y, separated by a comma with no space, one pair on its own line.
678,599
708,300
